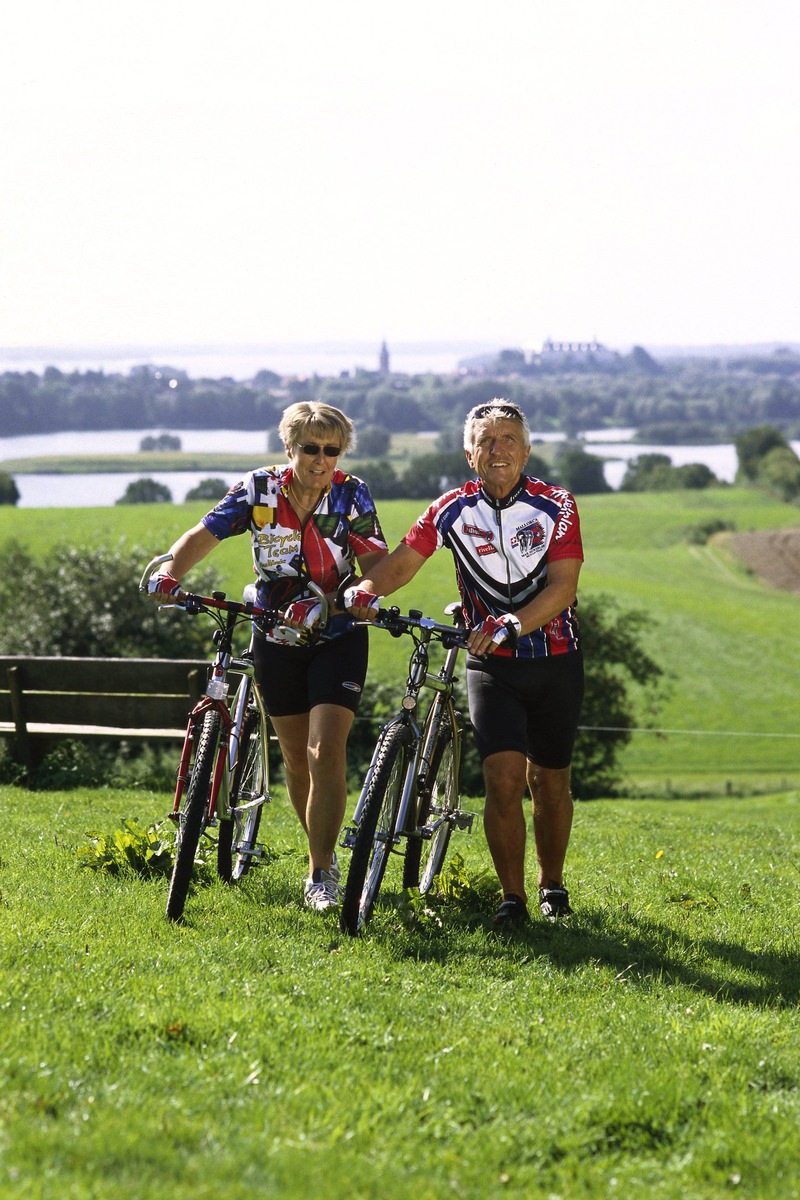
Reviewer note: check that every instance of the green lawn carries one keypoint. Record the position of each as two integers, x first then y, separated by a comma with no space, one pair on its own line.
730,644
649,1048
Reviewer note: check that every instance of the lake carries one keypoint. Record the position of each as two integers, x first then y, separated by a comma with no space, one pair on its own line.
101,490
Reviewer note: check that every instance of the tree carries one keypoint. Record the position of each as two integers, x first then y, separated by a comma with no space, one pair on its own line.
9,492
695,475
208,489
373,441
581,473
146,491
755,444
647,473
381,479
429,475
624,687
655,473
779,472
163,442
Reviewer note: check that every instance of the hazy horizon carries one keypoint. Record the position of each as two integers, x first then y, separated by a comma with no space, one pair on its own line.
194,175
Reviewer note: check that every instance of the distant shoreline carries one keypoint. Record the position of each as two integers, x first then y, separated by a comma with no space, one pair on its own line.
243,362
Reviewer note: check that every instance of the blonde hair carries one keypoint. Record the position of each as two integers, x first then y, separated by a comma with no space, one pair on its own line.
314,418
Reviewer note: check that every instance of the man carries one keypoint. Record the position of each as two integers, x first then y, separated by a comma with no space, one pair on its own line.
517,548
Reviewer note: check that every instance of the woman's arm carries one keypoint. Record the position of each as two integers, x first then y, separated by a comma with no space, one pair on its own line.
190,549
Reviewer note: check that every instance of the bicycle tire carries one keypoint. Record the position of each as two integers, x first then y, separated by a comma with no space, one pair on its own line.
425,856
193,814
373,840
247,786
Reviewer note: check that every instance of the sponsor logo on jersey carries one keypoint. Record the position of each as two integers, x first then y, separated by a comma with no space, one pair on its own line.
476,532
529,538
485,549
567,513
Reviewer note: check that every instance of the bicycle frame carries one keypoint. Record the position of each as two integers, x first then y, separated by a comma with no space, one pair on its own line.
419,678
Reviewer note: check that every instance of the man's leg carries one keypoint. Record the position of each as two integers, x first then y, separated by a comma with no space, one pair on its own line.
504,818
552,819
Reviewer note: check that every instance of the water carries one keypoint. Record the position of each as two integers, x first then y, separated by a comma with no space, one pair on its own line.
101,490
243,362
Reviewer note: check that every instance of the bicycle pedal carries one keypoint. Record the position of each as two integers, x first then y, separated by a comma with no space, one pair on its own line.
250,850
349,839
463,820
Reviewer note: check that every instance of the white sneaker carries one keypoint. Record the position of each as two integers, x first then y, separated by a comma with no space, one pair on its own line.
321,894
335,871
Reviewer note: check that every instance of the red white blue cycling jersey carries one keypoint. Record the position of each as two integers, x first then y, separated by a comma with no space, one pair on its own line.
342,527
502,549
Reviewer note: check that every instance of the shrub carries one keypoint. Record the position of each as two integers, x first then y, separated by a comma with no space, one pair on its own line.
90,606
699,535
163,442
146,491
9,492
208,489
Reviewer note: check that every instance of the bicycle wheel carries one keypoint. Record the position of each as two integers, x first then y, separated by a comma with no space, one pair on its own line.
193,814
374,838
248,796
425,854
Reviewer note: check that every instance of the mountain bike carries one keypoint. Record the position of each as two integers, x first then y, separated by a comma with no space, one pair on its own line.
223,774
411,792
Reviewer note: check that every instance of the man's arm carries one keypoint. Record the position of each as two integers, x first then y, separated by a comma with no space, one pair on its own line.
387,575
561,591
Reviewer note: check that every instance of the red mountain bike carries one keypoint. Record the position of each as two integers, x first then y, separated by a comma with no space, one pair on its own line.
223,775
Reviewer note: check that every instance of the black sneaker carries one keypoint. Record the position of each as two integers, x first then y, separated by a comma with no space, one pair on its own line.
554,901
513,911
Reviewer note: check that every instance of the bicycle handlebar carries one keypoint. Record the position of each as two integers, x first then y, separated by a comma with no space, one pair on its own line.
397,623
194,603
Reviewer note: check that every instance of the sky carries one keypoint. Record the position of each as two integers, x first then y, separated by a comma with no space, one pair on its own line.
261,171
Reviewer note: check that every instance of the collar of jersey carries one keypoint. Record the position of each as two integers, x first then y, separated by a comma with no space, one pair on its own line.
508,500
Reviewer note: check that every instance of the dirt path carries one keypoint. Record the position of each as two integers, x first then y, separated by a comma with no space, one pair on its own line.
773,554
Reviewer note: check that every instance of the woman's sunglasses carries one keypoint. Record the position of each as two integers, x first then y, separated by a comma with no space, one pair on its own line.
312,451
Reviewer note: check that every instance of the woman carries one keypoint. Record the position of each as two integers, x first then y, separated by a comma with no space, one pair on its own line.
307,520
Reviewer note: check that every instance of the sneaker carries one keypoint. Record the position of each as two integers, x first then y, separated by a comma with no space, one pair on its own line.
554,901
335,871
513,911
321,891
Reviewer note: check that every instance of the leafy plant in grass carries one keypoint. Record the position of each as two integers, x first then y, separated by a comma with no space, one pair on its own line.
149,851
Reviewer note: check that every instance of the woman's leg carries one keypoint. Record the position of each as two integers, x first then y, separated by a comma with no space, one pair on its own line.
329,726
292,734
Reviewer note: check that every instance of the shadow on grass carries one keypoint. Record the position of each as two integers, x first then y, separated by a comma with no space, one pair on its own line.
640,952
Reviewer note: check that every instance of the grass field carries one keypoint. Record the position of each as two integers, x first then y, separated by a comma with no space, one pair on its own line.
649,1048
730,644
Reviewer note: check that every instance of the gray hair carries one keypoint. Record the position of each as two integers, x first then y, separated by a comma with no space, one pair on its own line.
314,418
496,410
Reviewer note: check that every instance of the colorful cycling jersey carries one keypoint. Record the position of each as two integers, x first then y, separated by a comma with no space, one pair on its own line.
342,527
502,549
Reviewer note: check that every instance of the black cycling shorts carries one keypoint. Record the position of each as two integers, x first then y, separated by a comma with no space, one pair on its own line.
527,704
295,679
